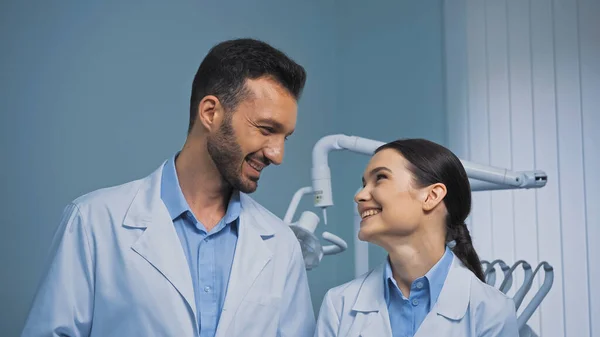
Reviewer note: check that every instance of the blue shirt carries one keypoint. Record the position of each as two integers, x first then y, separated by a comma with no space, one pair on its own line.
209,254
407,314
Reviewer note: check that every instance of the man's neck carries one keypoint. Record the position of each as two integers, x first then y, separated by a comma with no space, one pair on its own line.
202,186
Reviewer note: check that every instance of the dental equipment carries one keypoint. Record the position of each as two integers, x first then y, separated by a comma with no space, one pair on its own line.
490,273
520,294
304,228
540,295
522,291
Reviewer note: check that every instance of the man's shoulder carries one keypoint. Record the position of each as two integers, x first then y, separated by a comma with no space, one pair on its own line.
110,194
99,211
109,202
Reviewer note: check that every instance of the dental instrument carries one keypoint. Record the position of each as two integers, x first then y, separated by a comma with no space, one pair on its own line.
522,291
540,294
520,294
491,272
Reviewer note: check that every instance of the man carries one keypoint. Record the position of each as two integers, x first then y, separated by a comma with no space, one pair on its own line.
185,251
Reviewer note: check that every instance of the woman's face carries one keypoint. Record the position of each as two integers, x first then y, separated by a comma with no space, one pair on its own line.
389,204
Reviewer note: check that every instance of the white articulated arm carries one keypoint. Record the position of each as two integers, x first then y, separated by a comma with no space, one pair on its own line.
289,214
321,174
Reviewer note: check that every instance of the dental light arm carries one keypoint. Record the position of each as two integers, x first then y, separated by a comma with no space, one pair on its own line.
482,177
321,174
289,214
338,245
304,228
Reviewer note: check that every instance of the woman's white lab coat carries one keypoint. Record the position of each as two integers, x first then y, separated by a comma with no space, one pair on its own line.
117,268
466,307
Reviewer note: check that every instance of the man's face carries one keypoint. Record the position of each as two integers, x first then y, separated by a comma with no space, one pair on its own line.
253,136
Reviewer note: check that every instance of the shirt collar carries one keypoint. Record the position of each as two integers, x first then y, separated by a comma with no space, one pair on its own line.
435,277
175,202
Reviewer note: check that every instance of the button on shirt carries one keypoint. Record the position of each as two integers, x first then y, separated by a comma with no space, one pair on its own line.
407,314
209,254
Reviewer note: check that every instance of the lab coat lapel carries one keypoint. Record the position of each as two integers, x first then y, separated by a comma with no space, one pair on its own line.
377,325
251,256
159,243
452,303
370,304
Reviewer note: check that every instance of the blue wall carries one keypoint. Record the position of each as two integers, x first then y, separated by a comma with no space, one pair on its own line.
96,94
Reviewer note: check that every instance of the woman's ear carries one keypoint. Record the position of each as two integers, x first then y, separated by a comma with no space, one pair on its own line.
434,195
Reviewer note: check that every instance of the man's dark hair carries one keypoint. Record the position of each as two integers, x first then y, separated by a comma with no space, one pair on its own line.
228,65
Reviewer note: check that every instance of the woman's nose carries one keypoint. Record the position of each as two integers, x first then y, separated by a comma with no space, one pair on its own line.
361,195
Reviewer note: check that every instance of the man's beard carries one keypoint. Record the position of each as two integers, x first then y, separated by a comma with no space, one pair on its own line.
227,155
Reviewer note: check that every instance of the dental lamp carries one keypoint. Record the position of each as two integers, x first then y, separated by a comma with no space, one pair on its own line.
304,228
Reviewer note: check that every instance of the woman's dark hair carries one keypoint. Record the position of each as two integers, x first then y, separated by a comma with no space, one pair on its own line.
432,163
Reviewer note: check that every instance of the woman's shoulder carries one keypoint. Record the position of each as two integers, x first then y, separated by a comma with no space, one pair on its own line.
492,310
487,300
350,287
349,291
484,292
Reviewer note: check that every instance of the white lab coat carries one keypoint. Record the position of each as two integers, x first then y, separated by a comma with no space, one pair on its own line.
466,307
117,268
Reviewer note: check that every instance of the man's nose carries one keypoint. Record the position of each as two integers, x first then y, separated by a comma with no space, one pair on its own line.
274,153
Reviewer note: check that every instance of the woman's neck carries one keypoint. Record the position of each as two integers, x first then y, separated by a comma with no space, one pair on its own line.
413,259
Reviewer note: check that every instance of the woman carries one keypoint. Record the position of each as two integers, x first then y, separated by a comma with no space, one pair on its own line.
415,199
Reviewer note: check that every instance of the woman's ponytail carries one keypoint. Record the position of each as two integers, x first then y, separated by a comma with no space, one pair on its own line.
464,250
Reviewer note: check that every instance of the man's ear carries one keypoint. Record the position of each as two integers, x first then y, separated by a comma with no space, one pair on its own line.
210,113
434,195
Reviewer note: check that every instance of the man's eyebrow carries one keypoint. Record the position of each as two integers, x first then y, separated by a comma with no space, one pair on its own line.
274,124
